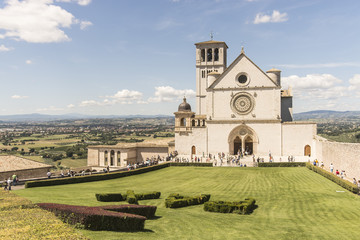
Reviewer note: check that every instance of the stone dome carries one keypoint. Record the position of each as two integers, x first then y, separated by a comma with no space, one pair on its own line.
184,106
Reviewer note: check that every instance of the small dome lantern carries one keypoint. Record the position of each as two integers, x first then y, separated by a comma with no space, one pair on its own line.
184,106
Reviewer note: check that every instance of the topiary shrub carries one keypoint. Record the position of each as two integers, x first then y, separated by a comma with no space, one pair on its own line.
142,210
110,197
130,197
99,218
242,207
175,200
145,196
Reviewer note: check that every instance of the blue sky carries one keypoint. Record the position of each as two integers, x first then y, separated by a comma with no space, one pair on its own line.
138,56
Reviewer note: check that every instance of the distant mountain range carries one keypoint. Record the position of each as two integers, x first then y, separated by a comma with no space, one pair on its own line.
70,116
329,115
312,115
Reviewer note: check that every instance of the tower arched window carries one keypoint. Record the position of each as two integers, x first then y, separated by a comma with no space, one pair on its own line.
209,55
183,122
203,55
216,54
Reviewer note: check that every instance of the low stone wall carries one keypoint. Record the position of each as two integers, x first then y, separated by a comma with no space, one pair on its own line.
344,156
25,173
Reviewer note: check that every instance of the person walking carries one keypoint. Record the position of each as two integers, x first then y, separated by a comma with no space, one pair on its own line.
14,179
9,183
331,168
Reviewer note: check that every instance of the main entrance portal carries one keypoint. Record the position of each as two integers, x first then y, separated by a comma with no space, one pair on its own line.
242,139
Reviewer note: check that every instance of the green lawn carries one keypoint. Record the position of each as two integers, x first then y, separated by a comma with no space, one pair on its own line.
293,203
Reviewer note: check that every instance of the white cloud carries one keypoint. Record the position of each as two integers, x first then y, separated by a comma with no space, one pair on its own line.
315,86
274,18
4,49
170,94
355,82
87,103
80,2
18,97
51,108
124,96
36,21
28,62
70,106
85,24
310,81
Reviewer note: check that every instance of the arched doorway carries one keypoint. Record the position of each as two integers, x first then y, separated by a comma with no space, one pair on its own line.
244,138
237,145
249,145
307,151
193,150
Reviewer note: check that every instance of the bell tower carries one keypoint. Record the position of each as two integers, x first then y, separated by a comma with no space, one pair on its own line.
210,57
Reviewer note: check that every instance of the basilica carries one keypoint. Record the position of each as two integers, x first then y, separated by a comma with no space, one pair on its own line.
239,109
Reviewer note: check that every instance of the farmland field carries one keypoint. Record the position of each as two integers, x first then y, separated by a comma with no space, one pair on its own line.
293,203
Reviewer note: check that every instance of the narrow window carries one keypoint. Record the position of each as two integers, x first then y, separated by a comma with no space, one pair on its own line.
216,54
203,55
118,158
112,155
209,55
106,158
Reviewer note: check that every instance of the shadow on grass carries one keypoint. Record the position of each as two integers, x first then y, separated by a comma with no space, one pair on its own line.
252,210
155,218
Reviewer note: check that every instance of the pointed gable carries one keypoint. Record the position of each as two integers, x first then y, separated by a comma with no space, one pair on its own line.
251,75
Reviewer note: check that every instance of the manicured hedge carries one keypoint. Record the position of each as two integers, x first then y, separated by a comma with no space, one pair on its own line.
343,183
242,207
142,210
150,195
96,218
118,197
110,197
282,164
177,201
190,164
131,198
95,177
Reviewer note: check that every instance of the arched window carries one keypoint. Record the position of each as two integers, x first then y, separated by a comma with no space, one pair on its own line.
216,54
198,123
183,122
209,55
106,158
193,123
112,155
203,123
193,150
203,55
307,150
118,158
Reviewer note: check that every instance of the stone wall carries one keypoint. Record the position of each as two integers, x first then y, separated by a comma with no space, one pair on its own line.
26,173
344,156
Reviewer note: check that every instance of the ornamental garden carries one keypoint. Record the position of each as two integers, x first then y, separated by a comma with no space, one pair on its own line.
204,202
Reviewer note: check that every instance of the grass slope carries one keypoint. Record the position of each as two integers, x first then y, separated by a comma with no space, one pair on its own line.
294,203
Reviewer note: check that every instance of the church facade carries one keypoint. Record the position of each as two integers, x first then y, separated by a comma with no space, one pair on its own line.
239,108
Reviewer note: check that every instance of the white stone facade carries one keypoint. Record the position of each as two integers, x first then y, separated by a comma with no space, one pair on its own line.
239,108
